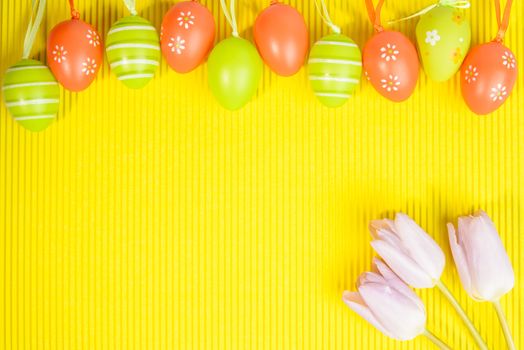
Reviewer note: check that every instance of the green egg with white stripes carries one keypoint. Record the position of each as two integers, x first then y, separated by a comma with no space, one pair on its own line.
133,51
335,69
31,94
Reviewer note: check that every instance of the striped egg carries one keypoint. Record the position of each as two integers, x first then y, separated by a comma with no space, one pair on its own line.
31,94
335,67
133,51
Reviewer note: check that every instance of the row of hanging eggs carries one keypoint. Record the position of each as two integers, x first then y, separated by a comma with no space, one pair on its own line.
390,60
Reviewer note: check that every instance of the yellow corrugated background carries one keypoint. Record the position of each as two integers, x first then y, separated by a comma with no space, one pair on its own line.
154,219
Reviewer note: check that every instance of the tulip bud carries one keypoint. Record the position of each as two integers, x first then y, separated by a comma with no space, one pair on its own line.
409,251
482,263
388,303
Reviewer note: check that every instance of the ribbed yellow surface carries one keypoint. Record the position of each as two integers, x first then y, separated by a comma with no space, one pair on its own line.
154,219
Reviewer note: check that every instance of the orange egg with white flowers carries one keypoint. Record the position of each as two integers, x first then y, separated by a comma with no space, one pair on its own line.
74,54
391,64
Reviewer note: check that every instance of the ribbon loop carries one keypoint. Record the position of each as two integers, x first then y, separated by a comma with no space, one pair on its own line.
74,13
324,14
458,4
33,26
374,14
230,16
131,6
502,19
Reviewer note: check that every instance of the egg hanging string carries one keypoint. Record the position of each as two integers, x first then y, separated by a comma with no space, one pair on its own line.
74,13
503,21
324,14
34,24
374,14
131,6
458,4
230,16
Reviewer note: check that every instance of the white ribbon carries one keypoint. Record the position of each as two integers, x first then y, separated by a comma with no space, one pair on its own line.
324,14
230,16
458,4
33,26
131,6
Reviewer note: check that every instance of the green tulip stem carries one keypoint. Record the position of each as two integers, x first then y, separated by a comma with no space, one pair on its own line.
471,327
436,340
505,326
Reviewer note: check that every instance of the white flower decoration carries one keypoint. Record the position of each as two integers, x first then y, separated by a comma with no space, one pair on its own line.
391,83
509,60
177,45
389,52
471,74
432,37
93,37
498,93
186,19
367,75
89,66
59,54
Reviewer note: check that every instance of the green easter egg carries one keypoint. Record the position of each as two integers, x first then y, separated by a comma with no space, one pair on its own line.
31,94
335,67
133,51
234,72
443,39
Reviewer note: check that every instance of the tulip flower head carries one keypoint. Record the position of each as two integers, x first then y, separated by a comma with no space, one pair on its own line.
386,302
409,251
482,262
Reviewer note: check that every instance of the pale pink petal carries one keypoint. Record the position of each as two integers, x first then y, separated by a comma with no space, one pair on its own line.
459,255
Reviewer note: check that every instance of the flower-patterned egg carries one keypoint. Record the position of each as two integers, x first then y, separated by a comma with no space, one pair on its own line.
74,54
443,39
133,51
187,35
282,38
488,76
31,94
391,65
335,68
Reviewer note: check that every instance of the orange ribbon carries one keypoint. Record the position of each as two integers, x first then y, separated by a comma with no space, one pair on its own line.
502,20
374,14
74,13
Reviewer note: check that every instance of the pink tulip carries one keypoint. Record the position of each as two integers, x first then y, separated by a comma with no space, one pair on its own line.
409,251
388,303
483,264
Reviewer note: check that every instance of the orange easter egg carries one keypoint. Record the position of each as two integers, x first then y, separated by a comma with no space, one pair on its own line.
282,38
74,54
391,64
487,77
187,35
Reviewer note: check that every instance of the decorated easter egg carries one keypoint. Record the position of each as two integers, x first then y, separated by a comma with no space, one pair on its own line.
335,67
187,36
234,72
281,36
391,65
488,76
74,54
443,39
133,51
31,94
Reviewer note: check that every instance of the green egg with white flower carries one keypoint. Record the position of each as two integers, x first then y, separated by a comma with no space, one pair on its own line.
31,94
335,69
133,51
443,40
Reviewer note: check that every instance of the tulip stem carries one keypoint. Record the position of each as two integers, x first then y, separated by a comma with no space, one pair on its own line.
436,340
471,327
505,326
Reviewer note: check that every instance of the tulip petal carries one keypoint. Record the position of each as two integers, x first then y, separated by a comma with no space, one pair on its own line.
370,277
405,267
388,235
381,225
357,304
404,319
490,270
422,248
459,255
394,281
